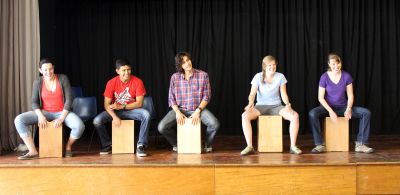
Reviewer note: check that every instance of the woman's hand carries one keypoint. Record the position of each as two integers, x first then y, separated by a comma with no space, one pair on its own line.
347,114
289,109
249,106
333,116
42,122
58,122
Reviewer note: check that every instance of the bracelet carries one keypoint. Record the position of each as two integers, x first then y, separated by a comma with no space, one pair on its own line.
199,108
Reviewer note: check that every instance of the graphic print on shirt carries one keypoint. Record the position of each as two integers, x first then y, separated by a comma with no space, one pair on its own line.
124,97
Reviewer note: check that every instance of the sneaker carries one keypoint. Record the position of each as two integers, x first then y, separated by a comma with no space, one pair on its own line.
28,156
363,148
318,149
247,151
295,150
106,150
175,148
68,153
207,148
140,151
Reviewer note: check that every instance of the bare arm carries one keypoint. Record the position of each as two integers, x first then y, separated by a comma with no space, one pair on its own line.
285,98
350,101
321,99
137,104
284,95
109,107
252,97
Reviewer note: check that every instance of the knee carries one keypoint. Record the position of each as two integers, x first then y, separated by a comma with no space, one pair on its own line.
367,114
97,121
146,115
295,117
81,126
245,116
161,128
215,124
312,114
18,120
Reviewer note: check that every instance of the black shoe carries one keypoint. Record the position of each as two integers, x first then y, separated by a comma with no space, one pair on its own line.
106,150
140,151
68,153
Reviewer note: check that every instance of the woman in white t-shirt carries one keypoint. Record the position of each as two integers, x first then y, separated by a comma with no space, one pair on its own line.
270,87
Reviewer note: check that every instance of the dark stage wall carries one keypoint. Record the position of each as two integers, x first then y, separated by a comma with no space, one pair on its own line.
228,39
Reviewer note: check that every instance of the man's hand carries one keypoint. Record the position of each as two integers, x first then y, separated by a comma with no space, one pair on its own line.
116,106
195,117
116,121
180,118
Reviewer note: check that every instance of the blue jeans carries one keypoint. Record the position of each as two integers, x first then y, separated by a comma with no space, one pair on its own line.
26,119
357,112
139,114
165,127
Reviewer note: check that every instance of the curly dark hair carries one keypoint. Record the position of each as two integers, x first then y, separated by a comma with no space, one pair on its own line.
179,60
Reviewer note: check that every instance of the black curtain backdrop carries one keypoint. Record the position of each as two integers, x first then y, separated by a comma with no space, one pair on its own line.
228,39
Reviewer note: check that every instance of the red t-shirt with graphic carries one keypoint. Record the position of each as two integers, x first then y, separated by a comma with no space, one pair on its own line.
124,93
52,101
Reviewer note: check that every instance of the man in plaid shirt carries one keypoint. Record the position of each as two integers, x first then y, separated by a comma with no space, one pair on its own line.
189,94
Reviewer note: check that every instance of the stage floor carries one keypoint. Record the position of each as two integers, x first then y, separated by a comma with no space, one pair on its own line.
226,152
223,171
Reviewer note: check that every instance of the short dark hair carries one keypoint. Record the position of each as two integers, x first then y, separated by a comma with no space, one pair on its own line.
45,61
179,60
122,62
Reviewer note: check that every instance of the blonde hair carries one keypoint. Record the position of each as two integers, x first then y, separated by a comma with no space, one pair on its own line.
264,65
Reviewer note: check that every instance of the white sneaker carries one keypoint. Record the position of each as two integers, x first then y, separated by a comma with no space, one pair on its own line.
363,148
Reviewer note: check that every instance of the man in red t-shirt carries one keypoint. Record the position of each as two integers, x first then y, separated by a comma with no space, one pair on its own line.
123,99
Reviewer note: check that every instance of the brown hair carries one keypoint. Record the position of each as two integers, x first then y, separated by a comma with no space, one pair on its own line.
179,60
45,61
264,65
333,56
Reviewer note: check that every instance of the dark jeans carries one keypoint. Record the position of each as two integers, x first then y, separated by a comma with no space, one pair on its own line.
165,127
357,112
139,114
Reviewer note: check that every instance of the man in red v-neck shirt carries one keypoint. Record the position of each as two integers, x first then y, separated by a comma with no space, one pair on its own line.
123,99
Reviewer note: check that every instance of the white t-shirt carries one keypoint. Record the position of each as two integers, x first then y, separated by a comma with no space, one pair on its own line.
268,94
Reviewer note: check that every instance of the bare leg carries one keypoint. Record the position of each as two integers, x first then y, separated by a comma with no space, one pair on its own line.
247,117
69,144
30,144
293,117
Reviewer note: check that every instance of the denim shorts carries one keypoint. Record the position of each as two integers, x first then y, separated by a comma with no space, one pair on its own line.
269,109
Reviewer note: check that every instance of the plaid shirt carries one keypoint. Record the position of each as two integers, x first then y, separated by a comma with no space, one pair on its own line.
188,94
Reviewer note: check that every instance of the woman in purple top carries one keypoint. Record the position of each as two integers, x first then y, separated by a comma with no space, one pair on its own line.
335,93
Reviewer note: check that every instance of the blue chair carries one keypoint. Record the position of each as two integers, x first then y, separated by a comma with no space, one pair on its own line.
77,91
86,109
